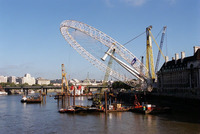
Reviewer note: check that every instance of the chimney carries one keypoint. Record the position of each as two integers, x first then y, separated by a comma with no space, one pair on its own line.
166,59
182,56
196,48
173,58
176,57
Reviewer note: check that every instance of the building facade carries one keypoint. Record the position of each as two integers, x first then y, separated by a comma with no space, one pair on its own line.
42,81
181,75
27,79
3,79
12,79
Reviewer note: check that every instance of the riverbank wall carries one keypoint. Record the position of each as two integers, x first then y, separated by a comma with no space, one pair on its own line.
176,103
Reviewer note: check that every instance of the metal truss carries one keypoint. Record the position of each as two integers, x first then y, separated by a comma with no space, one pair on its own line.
107,41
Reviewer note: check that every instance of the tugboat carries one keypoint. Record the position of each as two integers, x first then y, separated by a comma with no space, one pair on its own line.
24,99
34,99
146,108
31,99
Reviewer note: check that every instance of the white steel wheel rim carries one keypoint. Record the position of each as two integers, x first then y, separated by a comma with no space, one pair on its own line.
105,40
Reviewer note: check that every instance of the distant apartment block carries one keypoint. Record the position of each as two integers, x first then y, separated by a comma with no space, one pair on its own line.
42,81
3,79
56,81
181,75
12,79
27,79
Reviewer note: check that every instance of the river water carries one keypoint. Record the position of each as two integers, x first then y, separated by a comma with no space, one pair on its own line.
21,118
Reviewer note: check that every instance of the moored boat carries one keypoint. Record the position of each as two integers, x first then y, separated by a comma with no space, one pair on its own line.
3,93
24,98
69,109
150,109
146,108
34,99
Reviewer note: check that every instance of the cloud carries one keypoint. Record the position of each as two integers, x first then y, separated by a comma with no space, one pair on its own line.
135,2
171,2
108,3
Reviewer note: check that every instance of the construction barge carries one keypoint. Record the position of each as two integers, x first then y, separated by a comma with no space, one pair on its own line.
79,109
138,106
83,109
31,99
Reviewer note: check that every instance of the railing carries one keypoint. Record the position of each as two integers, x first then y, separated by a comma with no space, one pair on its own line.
32,87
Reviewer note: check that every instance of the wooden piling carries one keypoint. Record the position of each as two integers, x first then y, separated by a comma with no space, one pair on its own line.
62,101
74,98
58,101
105,94
68,97
26,92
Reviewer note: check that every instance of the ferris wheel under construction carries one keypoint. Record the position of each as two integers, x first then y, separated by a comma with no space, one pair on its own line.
79,34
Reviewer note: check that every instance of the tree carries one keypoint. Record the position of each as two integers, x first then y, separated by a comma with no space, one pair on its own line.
51,84
119,84
8,84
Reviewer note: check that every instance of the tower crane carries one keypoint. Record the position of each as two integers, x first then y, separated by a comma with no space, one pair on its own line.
149,52
149,55
160,49
141,70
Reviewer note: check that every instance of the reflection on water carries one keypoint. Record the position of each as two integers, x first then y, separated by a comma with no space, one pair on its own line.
17,117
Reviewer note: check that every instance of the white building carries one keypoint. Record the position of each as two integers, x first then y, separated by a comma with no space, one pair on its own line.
3,79
27,79
12,79
42,81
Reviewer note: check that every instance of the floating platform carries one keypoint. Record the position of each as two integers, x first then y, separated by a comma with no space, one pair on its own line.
157,110
119,110
31,99
80,109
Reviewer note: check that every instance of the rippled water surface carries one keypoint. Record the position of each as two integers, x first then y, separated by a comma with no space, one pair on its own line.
19,118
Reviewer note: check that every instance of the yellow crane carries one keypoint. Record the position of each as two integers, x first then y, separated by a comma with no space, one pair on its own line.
149,55
64,81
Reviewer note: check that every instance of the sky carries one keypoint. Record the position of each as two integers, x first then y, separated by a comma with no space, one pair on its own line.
31,42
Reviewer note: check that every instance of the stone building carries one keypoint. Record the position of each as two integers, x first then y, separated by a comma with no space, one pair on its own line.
12,79
27,79
42,81
181,75
3,79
